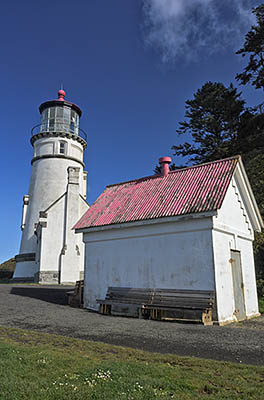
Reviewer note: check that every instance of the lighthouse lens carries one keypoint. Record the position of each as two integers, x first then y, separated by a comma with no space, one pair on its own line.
52,112
59,112
60,119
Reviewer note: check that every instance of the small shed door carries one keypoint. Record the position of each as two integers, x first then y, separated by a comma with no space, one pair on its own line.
238,286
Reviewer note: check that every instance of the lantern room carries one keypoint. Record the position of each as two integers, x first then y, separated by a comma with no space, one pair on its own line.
60,115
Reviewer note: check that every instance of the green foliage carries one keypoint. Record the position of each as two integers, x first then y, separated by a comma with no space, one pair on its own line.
251,139
260,288
261,306
173,167
7,269
49,367
215,116
255,170
259,254
254,164
8,265
253,47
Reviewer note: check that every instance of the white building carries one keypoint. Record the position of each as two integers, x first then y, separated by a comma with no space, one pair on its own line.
50,252
186,229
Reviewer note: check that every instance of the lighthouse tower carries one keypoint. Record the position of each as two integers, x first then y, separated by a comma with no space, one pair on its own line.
50,251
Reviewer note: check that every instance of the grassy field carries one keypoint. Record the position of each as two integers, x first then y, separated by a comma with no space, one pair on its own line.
50,367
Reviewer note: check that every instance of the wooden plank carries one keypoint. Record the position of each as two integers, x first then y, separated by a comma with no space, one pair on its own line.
183,298
118,302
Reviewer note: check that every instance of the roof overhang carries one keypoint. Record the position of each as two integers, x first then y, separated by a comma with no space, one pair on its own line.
248,196
59,103
163,220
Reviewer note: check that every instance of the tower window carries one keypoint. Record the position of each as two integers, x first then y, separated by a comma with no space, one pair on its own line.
62,148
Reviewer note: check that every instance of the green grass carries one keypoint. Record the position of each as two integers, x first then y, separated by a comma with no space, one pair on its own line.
51,367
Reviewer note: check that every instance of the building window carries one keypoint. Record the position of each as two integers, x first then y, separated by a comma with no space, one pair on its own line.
62,148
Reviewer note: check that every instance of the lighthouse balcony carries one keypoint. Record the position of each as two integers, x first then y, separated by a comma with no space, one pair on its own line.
58,129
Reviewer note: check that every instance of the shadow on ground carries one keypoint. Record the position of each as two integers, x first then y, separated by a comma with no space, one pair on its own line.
53,295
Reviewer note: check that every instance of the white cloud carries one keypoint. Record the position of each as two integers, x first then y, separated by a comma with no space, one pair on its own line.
185,29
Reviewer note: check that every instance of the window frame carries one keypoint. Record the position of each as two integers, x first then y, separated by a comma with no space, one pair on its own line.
62,147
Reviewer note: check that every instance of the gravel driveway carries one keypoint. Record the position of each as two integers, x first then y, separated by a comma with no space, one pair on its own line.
45,309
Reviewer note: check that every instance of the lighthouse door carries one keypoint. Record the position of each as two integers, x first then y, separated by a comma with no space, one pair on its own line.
238,286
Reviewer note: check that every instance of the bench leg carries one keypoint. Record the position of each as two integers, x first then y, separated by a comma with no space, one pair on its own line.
156,314
207,318
159,315
69,299
105,309
143,313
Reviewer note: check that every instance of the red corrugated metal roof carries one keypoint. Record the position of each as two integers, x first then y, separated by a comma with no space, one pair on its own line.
196,189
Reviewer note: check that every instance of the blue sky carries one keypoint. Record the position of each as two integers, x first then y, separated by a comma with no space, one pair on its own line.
130,65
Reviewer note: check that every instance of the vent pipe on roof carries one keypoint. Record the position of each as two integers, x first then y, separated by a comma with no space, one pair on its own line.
164,163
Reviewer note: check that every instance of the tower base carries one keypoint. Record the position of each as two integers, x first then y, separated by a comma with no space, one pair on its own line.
47,277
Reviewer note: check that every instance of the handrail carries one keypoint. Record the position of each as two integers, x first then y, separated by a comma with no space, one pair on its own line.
66,128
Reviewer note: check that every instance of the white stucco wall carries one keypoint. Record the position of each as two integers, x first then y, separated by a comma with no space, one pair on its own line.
72,260
161,255
61,249
52,238
232,230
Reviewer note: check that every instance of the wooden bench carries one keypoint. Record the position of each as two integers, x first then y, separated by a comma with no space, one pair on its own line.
125,296
182,304
161,304
75,297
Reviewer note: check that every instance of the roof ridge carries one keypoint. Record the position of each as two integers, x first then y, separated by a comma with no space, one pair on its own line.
238,156
174,171
135,180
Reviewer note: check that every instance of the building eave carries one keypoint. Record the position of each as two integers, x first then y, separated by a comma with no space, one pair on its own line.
145,222
245,187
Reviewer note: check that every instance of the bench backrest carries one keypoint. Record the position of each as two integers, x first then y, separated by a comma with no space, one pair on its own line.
184,298
132,295
162,297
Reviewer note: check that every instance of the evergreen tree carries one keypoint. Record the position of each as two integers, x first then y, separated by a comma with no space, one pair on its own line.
254,48
254,136
215,116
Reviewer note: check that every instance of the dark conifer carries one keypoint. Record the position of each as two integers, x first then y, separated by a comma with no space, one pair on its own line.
215,116
254,48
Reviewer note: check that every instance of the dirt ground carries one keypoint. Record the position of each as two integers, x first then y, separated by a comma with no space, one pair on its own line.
45,309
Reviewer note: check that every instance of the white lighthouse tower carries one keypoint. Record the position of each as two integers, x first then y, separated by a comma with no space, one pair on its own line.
50,251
